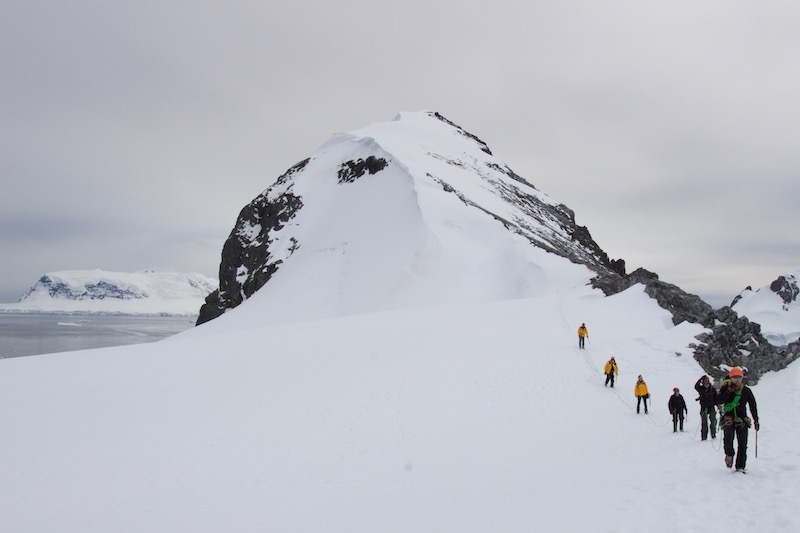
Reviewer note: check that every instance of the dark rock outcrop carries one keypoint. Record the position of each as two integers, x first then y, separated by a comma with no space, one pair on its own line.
247,261
739,296
786,288
350,171
736,341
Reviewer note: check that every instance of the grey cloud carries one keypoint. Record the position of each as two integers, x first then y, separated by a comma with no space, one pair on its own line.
669,128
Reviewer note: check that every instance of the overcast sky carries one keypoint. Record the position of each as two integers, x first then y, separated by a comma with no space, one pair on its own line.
133,132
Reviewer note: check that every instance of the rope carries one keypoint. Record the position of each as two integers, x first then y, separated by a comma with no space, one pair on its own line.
697,428
667,421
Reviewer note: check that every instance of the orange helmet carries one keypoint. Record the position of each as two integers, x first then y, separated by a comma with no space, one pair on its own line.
736,371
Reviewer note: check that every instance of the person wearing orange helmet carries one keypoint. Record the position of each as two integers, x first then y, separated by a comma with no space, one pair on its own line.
610,369
736,397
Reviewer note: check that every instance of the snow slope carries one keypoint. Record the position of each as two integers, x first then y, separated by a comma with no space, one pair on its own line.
99,291
412,365
779,319
479,416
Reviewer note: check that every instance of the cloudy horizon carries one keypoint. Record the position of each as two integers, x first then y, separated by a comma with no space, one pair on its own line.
133,133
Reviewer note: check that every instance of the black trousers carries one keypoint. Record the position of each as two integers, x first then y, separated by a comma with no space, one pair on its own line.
708,418
639,400
740,430
580,341
676,416
610,378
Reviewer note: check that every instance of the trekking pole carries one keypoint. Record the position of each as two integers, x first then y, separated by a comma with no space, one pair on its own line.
756,444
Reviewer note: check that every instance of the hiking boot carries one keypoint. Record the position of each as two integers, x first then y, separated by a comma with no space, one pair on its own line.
729,461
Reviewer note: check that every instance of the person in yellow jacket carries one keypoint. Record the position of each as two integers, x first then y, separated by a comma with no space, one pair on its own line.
610,369
641,394
582,334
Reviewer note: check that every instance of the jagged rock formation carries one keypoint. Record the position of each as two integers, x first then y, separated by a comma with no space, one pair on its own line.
786,288
733,340
736,341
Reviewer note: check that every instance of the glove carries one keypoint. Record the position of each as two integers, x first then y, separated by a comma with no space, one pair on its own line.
756,425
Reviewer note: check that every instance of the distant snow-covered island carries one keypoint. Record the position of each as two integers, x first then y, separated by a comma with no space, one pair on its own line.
147,292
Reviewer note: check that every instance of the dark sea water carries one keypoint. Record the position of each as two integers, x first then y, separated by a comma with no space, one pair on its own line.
31,334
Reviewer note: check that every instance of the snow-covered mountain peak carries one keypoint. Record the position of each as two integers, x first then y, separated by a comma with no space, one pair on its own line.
415,211
775,306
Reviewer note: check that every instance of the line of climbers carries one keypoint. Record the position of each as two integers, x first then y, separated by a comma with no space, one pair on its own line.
731,401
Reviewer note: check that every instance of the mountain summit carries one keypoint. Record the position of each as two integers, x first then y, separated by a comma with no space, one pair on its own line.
410,212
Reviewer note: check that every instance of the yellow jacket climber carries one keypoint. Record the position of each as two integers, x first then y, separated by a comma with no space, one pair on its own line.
582,334
641,394
610,369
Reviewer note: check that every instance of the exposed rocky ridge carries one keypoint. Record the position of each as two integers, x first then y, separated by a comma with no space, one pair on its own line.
733,340
539,218
736,341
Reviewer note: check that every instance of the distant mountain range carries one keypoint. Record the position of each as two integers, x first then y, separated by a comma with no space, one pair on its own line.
147,292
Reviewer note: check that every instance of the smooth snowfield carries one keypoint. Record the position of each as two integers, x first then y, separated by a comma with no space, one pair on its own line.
469,417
